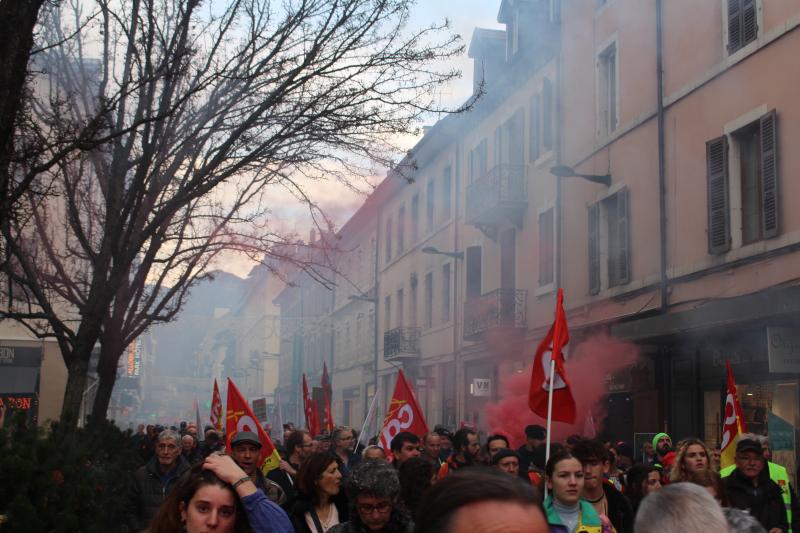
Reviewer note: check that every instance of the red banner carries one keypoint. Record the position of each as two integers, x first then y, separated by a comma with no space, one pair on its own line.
550,349
404,414
216,409
310,410
327,421
241,418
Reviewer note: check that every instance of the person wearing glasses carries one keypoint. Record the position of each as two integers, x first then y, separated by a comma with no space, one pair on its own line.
373,493
749,487
153,482
343,442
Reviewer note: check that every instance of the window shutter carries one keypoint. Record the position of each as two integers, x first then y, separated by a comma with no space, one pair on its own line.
749,22
769,174
719,233
734,25
535,127
547,115
594,248
623,233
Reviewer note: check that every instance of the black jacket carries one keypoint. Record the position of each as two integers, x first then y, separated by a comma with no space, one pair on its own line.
286,482
765,501
302,504
147,492
620,511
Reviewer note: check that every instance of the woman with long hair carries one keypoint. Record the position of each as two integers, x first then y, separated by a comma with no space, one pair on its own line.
320,503
218,495
641,480
712,482
566,511
693,455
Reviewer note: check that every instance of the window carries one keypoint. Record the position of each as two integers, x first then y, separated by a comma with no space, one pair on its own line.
430,202
401,227
609,229
474,276
509,141
607,90
400,308
415,218
447,190
546,247
387,313
388,239
742,24
748,165
360,333
535,126
547,115
446,293
429,300
478,161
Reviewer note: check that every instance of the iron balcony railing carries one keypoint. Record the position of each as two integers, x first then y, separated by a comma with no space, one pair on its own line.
500,308
502,188
400,343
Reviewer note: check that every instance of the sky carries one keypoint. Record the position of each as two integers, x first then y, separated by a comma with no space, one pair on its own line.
338,202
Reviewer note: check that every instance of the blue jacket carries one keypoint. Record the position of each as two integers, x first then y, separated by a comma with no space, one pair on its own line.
264,515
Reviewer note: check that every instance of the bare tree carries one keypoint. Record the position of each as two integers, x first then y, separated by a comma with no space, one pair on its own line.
205,112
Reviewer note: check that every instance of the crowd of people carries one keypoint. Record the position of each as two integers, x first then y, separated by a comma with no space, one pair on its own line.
454,482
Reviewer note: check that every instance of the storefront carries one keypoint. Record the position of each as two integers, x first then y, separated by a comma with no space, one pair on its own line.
19,381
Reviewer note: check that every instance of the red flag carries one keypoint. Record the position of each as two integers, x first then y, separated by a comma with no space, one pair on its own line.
733,422
310,409
327,421
216,409
551,349
241,418
403,414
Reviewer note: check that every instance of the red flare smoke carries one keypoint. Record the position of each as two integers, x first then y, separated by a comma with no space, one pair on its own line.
588,367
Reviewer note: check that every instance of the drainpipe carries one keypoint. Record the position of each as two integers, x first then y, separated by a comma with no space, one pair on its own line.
662,177
456,350
557,149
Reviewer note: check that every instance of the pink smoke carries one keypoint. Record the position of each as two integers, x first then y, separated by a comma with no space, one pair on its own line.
588,366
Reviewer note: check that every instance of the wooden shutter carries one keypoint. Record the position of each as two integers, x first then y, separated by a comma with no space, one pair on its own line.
749,22
769,175
594,248
719,232
734,25
547,115
623,233
535,127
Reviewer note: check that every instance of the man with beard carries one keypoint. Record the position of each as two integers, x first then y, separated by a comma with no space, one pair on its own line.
603,496
465,450
245,450
298,448
662,443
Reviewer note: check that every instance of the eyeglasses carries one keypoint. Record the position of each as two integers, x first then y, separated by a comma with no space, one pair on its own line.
382,508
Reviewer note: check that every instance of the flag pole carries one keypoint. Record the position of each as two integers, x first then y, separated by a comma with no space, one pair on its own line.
370,412
549,413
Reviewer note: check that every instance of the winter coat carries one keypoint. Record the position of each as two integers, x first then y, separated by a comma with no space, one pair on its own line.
620,511
147,491
303,504
588,522
765,501
399,522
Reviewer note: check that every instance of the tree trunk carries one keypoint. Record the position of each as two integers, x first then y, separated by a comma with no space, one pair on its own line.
73,394
110,353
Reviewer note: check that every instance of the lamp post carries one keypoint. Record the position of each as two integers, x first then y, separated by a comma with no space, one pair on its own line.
563,171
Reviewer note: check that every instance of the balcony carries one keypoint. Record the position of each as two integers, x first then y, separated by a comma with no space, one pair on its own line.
401,343
502,311
497,198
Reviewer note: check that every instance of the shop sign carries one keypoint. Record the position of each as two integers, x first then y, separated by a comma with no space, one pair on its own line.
481,387
134,358
20,356
260,408
18,401
783,348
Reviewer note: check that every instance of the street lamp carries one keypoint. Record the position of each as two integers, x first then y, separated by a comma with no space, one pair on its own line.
563,171
435,251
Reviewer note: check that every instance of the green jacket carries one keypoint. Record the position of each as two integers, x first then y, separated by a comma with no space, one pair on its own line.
588,520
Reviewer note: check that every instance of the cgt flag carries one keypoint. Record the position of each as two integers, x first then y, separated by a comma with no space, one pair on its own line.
310,410
216,409
327,420
241,418
732,423
403,414
551,349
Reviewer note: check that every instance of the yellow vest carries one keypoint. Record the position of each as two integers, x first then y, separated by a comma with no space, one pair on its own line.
779,475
